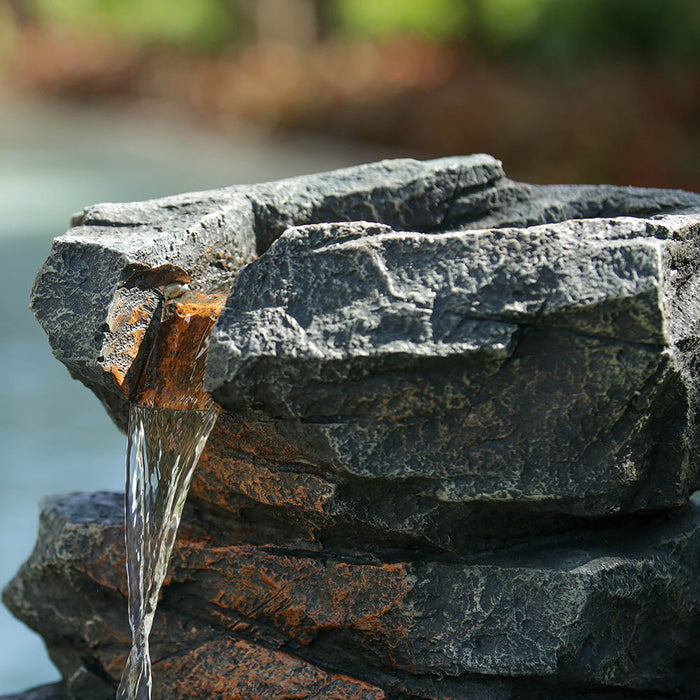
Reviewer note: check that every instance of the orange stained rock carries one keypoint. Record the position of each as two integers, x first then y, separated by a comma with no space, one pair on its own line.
221,478
257,441
173,374
260,441
248,671
244,587
244,459
128,325
302,596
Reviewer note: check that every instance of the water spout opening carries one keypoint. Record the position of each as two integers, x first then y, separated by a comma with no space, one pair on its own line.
170,419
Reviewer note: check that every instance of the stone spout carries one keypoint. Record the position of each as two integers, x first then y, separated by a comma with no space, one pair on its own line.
457,439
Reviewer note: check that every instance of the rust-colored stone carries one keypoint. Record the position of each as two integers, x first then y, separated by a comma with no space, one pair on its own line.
242,459
173,374
265,621
128,328
246,671
236,669
300,596
253,601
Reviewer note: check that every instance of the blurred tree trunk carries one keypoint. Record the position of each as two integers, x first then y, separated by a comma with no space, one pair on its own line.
324,17
23,11
476,19
298,22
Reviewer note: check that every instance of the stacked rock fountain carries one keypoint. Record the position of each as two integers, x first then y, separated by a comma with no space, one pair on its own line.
457,438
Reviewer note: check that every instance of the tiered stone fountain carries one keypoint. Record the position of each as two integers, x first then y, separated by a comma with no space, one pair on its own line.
457,440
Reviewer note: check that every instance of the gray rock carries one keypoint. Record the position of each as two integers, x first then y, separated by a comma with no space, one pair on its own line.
111,263
538,346
116,256
459,430
54,691
547,364
589,611
109,266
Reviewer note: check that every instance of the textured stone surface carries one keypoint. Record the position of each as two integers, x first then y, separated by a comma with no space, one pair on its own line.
458,430
55,691
531,365
96,295
549,363
587,611
172,375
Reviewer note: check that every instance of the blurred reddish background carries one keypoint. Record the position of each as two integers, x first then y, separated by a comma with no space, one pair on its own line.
586,91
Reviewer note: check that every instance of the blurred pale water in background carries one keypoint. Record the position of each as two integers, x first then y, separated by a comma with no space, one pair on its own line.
55,436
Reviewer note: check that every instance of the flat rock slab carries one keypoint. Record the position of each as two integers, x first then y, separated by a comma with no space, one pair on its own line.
526,365
462,341
589,612
54,691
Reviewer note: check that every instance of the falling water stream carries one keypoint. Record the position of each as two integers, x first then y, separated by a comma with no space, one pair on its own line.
169,423
163,449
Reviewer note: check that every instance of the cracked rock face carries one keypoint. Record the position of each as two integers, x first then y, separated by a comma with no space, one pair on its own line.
471,340
587,611
521,365
457,438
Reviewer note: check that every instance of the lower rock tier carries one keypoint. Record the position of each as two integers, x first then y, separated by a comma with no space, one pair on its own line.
599,614
55,691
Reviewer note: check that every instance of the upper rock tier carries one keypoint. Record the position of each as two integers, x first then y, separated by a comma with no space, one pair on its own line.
431,325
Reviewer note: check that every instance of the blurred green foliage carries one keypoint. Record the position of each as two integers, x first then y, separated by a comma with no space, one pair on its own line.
559,33
556,33
567,33
186,23
438,19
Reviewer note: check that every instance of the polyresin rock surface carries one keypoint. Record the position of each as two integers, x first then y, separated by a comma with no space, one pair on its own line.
458,430
499,343
512,364
584,613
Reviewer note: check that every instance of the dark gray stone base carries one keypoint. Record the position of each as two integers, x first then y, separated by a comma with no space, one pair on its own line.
55,691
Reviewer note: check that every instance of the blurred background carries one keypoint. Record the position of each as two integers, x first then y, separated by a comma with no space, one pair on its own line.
116,100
